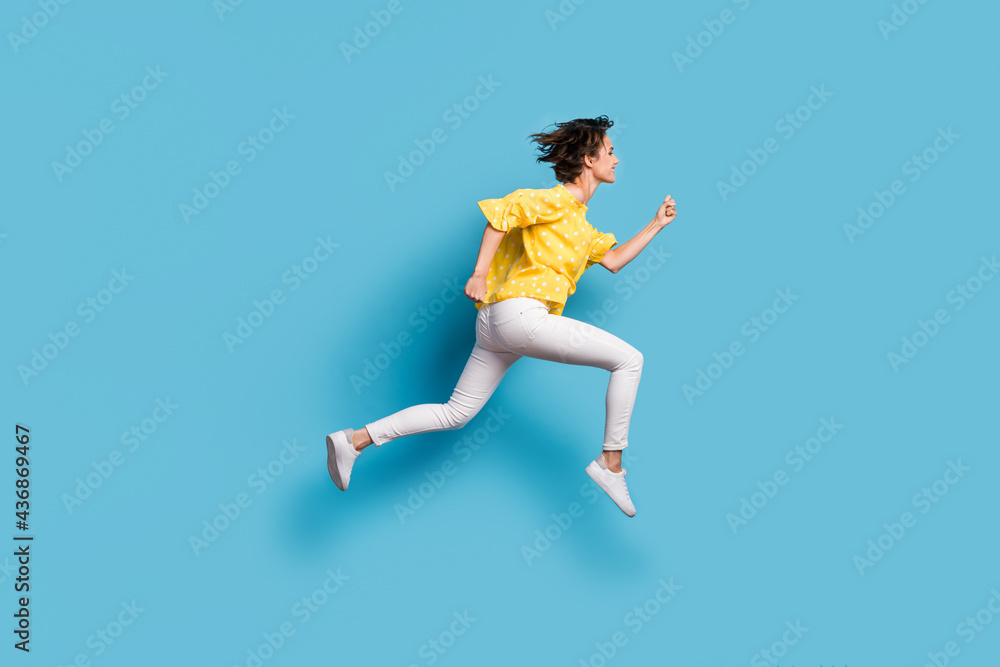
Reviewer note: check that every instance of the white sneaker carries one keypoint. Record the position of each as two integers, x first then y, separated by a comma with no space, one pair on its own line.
340,455
613,484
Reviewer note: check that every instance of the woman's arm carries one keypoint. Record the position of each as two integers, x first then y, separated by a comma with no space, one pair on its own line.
475,288
618,257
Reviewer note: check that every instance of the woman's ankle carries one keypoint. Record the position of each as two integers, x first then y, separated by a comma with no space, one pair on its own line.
361,439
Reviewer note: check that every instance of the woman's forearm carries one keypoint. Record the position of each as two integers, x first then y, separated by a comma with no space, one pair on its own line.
488,248
618,257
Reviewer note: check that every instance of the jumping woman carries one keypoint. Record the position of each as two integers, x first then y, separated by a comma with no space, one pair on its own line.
536,246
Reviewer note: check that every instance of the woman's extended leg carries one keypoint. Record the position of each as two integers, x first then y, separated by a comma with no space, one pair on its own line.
482,374
486,367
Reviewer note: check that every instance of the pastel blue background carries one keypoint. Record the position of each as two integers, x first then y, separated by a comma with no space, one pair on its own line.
690,463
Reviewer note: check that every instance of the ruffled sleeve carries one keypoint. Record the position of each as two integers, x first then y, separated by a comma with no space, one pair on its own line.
600,243
520,209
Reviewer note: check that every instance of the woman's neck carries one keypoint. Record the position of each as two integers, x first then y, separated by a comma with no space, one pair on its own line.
582,188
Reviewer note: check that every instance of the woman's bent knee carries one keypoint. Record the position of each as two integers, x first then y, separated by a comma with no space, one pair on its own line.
633,362
455,418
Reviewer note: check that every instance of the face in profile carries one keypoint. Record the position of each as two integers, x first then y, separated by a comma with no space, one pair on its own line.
603,166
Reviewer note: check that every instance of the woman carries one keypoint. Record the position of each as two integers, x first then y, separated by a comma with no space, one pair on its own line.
536,246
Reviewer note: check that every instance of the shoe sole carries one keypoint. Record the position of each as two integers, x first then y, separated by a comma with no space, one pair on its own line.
594,472
331,461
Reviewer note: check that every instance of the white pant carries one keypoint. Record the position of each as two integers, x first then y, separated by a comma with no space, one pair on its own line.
506,331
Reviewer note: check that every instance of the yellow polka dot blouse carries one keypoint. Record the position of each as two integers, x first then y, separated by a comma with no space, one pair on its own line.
547,247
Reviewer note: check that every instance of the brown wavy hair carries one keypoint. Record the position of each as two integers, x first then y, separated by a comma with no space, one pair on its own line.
566,146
